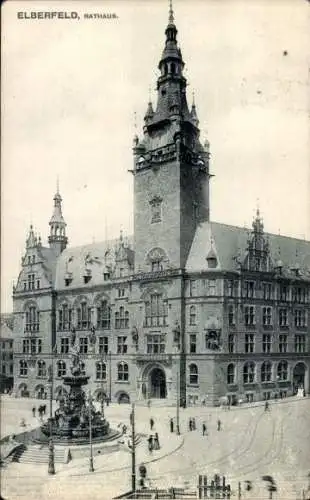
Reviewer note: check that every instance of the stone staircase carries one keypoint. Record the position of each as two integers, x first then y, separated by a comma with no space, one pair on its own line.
39,454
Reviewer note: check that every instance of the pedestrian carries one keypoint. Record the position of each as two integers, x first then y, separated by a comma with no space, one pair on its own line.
34,411
190,424
171,425
151,423
150,443
266,406
219,423
149,404
156,442
193,424
204,429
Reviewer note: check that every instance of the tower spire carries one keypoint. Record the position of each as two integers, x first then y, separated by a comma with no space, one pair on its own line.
57,238
171,13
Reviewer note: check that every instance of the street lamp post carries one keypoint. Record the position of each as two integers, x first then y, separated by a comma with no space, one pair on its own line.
133,450
91,460
51,456
178,404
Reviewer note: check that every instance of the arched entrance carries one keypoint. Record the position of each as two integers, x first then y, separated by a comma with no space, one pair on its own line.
157,383
299,377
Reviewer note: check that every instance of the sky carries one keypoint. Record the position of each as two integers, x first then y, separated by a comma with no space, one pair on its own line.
74,93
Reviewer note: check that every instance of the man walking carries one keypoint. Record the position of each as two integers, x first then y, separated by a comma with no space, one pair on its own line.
34,411
171,425
151,423
204,429
219,424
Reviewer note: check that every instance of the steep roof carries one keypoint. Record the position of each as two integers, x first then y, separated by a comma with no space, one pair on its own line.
229,242
97,257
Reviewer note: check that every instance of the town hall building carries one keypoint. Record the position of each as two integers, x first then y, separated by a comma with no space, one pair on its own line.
185,307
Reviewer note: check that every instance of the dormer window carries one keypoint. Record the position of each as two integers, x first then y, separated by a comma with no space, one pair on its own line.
106,276
68,278
87,276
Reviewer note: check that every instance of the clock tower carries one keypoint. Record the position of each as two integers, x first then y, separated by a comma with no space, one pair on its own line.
171,170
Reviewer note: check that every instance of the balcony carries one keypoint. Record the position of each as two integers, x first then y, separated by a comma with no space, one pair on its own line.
32,328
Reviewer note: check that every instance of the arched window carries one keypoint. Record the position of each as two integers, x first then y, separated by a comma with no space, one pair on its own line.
231,374
83,316
249,373
172,68
23,368
121,318
61,368
32,319
41,369
282,371
104,315
156,311
64,318
101,371
122,372
192,315
265,373
193,374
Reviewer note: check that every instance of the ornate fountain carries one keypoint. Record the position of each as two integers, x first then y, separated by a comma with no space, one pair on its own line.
71,421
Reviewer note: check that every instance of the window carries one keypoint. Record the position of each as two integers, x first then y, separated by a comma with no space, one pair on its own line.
83,317
267,291
282,343
26,346
192,288
299,294
284,293
64,345
122,372
282,371
121,272
33,259
64,318
156,210
249,342
192,343
11,344
156,311
4,369
29,259
212,287
249,397
121,345
267,342
25,285
121,292
61,369
155,344
39,346
156,266
83,345
231,343
193,374
249,373
192,315
23,368
32,319
266,395
104,316
249,315
283,317
103,345
101,371
230,288
300,319
300,343
249,289
41,369
121,319
231,374
267,316
83,372
231,315
38,284
265,372
31,280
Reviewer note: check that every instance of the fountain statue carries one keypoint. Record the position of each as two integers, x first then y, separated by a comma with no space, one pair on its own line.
71,420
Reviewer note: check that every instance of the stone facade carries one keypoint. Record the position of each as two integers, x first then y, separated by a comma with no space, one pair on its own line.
186,306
